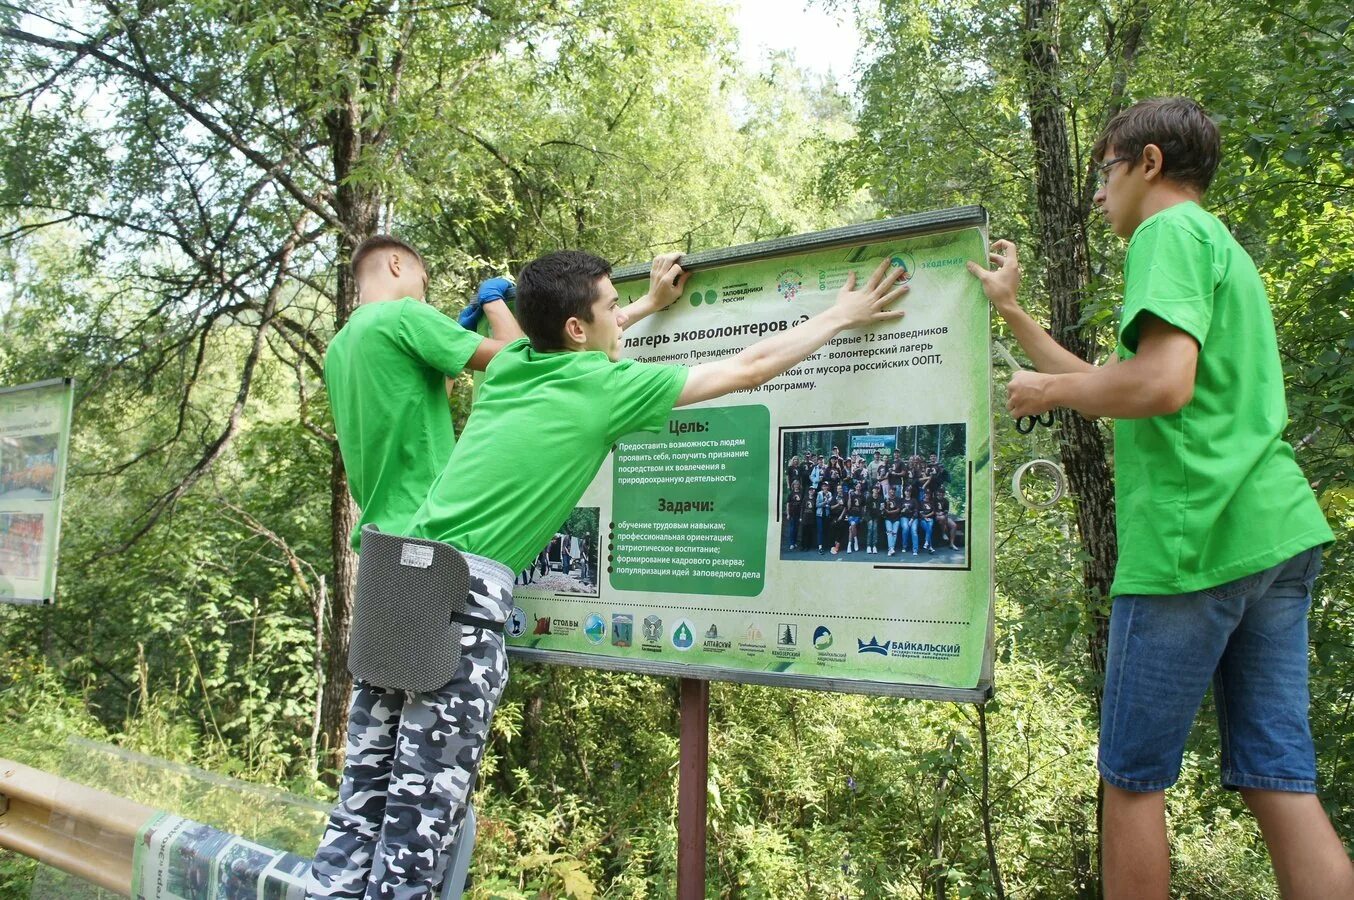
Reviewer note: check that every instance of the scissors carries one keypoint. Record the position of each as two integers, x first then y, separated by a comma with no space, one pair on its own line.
1024,424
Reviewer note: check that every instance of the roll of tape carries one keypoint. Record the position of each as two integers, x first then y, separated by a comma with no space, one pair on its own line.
1055,472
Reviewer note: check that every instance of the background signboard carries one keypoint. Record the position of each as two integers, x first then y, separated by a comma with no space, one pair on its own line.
680,558
34,436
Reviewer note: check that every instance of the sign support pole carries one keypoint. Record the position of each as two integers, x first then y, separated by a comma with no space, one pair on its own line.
692,779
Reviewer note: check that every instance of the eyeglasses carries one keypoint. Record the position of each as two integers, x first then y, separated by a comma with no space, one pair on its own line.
1102,171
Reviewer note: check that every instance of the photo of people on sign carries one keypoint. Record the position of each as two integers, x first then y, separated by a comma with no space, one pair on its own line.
28,467
568,564
20,545
895,495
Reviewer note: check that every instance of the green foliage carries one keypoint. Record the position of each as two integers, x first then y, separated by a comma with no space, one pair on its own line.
137,247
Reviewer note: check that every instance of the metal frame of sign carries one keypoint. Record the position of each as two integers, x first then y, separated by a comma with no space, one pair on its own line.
908,226
59,483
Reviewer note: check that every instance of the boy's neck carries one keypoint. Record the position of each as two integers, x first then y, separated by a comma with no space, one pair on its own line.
383,295
1166,195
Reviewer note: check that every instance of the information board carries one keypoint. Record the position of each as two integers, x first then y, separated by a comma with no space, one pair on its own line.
707,550
34,436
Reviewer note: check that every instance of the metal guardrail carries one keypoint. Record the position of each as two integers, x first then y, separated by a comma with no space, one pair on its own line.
85,832
92,834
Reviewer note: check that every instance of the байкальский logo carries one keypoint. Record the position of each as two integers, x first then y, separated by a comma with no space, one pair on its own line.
873,646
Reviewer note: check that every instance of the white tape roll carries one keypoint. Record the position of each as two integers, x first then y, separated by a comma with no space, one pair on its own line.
1055,472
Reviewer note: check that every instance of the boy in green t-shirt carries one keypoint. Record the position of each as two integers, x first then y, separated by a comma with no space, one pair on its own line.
386,372
1219,533
554,405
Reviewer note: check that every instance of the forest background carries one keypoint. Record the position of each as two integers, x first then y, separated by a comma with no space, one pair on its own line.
181,185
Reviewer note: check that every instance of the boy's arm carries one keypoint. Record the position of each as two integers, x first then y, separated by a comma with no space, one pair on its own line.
1001,285
1158,381
771,356
502,324
667,280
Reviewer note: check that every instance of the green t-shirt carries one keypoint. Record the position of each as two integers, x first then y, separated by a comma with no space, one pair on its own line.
386,374
1210,493
541,427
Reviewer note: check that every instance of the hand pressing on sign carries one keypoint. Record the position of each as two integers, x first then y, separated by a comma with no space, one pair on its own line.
771,356
667,280
1002,283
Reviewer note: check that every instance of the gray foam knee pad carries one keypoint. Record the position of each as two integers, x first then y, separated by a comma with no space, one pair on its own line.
408,593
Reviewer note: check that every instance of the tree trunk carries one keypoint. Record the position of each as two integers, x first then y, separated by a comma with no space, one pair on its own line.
358,207
1062,234
337,681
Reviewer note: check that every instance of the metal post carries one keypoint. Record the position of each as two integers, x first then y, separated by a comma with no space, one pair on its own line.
693,769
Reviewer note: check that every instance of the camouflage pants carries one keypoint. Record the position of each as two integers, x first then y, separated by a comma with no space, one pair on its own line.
410,767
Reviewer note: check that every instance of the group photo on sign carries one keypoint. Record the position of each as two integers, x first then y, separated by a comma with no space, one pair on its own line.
564,450
878,499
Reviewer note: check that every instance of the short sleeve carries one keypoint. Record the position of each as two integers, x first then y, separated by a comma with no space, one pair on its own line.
1168,273
436,339
641,395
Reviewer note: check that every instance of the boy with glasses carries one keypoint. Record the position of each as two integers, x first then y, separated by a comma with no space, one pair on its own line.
1201,469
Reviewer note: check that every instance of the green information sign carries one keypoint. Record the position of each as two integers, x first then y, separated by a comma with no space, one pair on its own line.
726,546
690,506
34,435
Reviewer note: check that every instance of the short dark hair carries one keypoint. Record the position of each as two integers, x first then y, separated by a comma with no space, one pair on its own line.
1189,142
555,288
378,242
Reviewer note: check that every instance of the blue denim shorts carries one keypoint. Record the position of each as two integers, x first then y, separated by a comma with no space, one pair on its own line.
1249,637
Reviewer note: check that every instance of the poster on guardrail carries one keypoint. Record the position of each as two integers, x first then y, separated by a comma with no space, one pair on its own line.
179,859
34,437
832,528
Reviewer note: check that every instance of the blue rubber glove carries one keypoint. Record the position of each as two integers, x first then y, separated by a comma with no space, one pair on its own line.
491,291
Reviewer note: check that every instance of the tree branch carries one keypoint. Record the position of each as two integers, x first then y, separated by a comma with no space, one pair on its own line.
192,111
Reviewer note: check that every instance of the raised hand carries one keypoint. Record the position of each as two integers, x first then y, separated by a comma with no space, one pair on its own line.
492,290
667,280
1002,283
869,305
